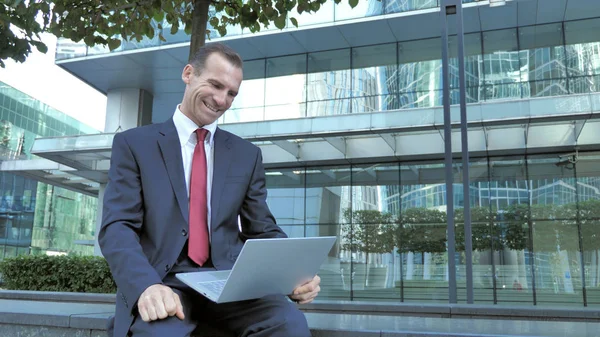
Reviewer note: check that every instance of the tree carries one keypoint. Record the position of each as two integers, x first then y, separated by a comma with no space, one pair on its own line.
421,230
368,231
485,232
105,22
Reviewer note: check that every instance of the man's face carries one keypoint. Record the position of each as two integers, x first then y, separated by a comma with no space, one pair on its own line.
208,95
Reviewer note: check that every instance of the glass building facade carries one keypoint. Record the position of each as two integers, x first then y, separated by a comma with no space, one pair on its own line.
36,217
527,62
536,228
535,224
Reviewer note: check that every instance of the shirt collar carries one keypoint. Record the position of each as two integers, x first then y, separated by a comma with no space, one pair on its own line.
186,128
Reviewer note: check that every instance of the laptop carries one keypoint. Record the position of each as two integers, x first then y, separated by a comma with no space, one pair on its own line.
264,267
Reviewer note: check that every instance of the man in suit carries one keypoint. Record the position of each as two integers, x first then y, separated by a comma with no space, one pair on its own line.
174,196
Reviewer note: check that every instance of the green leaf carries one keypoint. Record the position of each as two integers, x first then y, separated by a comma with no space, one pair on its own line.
353,3
294,22
280,22
159,16
114,44
89,40
41,47
214,21
174,29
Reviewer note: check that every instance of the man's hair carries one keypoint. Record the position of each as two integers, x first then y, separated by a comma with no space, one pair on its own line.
199,59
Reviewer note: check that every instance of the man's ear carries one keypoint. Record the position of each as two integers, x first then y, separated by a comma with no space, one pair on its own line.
188,72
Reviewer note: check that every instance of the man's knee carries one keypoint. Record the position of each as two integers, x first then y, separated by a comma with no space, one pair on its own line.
293,323
170,326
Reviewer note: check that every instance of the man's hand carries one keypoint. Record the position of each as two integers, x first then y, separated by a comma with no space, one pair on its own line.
158,302
307,292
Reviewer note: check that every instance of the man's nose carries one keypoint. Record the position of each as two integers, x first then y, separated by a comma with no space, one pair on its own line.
220,98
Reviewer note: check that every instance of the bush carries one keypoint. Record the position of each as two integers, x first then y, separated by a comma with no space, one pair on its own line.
88,274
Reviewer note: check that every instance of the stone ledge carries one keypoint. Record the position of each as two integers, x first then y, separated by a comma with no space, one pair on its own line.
56,296
55,314
526,313
359,307
322,325
325,318
378,308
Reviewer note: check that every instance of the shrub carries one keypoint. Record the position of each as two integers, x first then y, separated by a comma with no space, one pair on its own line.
88,274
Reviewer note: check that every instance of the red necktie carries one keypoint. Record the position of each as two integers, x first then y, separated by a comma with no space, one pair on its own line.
198,245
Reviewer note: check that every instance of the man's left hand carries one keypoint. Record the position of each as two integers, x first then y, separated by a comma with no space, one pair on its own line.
306,292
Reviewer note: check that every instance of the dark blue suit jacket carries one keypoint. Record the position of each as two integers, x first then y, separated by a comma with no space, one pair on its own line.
145,214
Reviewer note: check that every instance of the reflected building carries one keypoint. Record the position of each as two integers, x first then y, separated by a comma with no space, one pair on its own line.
36,217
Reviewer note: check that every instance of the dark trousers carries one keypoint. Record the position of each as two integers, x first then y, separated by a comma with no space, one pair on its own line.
270,316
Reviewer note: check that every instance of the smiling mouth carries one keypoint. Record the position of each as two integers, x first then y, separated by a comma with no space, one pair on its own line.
211,107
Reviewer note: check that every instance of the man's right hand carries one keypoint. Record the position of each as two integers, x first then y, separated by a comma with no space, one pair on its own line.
158,302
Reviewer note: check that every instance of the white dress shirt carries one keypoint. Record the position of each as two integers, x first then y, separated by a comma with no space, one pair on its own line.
186,130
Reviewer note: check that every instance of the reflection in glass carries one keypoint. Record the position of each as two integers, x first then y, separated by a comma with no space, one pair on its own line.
543,56
502,65
343,11
369,232
504,91
251,94
422,233
323,15
420,65
27,222
483,232
398,6
583,47
374,70
328,75
66,49
588,191
391,226
286,80
422,99
243,115
508,196
285,111
328,107
334,272
583,55
327,196
584,84
375,103
555,232
286,198
545,88
473,62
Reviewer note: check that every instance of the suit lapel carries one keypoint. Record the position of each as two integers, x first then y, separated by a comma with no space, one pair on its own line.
170,148
222,160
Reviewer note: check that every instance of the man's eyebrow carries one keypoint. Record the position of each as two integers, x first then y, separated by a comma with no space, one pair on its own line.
213,81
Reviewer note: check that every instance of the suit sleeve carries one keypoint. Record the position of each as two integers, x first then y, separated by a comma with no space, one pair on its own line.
256,218
122,222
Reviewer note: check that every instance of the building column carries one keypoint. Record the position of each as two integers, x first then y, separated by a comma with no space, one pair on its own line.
97,251
125,109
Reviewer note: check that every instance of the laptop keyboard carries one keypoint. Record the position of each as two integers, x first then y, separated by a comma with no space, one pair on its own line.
215,286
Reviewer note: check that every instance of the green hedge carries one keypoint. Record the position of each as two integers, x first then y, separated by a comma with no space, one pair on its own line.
88,274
